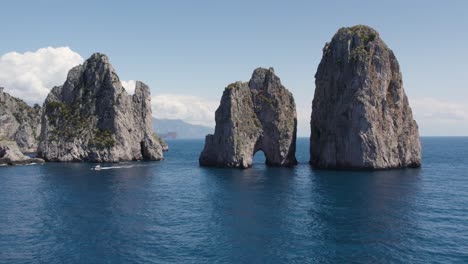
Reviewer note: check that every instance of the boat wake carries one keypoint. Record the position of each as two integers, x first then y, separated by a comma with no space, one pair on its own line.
98,167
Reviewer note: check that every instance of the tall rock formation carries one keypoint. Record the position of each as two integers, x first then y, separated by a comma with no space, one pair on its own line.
19,122
361,118
253,116
92,118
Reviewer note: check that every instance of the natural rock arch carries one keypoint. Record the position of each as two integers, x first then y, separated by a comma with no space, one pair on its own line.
253,116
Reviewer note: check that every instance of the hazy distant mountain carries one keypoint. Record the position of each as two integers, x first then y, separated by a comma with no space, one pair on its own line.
181,128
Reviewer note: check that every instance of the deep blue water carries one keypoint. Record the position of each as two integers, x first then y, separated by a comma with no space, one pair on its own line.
173,211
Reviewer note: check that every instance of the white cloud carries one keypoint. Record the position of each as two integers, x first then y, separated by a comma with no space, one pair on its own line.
129,86
433,110
438,117
31,75
192,109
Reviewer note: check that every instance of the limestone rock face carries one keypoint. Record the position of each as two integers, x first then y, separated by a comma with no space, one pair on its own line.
19,122
361,118
92,118
253,116
163,143
10,154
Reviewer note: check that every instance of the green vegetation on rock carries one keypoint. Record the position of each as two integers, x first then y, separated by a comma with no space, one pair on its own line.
359,53
67,120
103,138
232,85
4,139
265,99
364,33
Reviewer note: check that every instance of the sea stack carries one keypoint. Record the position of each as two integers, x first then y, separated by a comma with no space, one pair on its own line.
253,116
92,118
361,118
19,122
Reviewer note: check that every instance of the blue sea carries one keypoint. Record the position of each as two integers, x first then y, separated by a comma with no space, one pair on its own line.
174,211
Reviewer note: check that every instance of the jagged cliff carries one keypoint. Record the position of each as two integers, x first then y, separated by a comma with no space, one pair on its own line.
92,118
361,118
259,115
19,122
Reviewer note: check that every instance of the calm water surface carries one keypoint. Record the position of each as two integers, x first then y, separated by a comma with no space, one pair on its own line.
174,211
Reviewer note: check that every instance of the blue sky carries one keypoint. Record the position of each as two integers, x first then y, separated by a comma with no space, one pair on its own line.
196,48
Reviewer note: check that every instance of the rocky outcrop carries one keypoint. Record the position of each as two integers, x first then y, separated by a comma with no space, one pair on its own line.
10,154
92,118
361,118
253,116
162,142
19,122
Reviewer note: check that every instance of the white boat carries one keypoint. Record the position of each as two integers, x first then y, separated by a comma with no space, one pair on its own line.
97,167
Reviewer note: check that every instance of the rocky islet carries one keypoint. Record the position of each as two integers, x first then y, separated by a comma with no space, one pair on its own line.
361,118
92,118
256,116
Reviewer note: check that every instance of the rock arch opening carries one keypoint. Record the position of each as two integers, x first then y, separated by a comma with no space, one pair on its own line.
259,157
